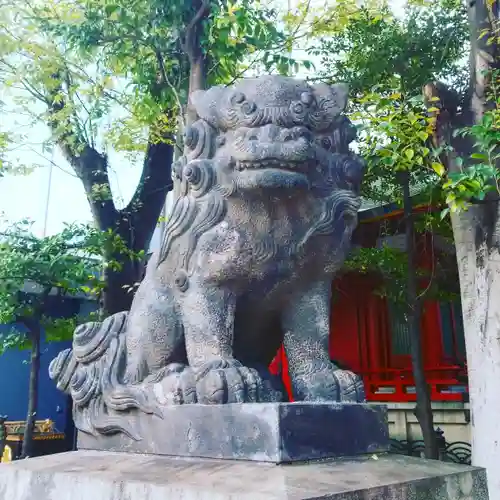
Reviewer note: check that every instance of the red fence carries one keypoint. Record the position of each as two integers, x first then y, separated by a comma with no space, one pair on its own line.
397,385
447,383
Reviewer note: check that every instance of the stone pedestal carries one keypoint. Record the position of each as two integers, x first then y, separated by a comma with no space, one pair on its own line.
93,475
264,432
289,451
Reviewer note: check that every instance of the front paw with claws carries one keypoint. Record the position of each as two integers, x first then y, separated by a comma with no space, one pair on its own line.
227,381
351,387
174,385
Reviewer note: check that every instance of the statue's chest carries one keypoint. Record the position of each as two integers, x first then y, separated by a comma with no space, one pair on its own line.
262,258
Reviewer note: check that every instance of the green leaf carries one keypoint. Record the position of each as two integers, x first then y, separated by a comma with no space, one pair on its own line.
438,168
479,156
110,9
409,153
444,213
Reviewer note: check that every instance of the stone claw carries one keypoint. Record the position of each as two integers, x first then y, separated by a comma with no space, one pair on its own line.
227,381
177,385
351,387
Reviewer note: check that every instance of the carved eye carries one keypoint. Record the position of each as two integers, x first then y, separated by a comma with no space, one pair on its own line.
287,136
297,108
326,142
182,280
306,98
238,98
248,107
252,136
220,141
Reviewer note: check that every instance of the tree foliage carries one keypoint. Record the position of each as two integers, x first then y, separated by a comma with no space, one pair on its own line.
35,270
385,60
477,173
32,268
395,138
372,46
93,56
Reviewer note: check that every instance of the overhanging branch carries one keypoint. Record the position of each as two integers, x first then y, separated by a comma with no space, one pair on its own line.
89,165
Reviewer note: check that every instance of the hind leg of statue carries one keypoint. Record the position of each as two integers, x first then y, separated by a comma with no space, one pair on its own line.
314,377
208,315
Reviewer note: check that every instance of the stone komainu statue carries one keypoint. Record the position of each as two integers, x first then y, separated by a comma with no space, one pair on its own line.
268,203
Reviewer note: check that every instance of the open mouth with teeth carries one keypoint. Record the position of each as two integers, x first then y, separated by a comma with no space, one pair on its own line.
270,163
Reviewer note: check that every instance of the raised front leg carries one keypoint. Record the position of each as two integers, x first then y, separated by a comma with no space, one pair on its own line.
208,316
306,323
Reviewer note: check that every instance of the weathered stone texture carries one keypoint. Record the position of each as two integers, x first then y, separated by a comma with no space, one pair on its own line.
267,432
267,206
91,475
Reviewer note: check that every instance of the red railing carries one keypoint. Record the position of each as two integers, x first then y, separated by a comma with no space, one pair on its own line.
447,383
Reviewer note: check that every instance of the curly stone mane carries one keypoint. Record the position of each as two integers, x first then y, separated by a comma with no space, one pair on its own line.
201,206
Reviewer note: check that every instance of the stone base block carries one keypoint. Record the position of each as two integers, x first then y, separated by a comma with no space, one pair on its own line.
93,475
265,432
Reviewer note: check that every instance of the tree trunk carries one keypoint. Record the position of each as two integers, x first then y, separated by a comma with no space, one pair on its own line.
196,55
423,410
121,285
135,223
479,269
29,428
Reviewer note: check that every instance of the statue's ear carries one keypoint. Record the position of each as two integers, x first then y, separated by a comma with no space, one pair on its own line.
206,103
336,94
196,97
341,93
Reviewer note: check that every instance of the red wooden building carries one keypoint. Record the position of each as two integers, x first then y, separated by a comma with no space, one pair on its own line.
370,337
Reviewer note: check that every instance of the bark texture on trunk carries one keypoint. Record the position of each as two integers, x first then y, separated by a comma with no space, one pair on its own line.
195,53
423,410
477,240
135,223
29,429
479,270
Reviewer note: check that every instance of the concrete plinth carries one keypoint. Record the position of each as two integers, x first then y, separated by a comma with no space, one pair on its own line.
93,475
265,432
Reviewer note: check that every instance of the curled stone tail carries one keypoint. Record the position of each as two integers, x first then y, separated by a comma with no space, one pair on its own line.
91,373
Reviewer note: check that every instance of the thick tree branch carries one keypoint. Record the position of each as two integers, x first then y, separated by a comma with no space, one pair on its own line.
89,165
190,44
194,51
454,114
